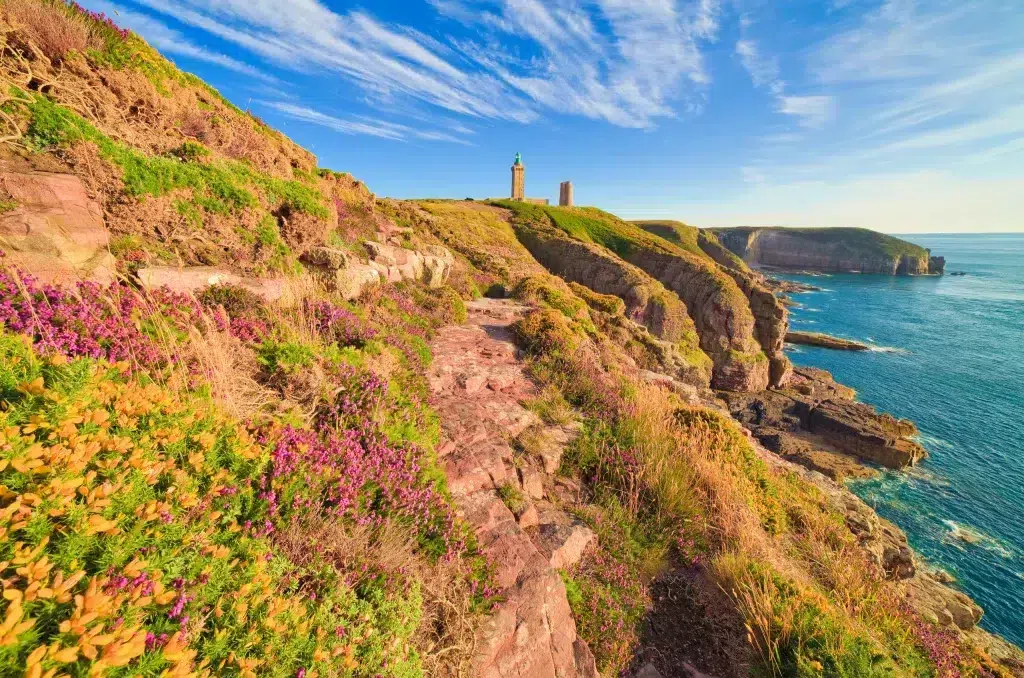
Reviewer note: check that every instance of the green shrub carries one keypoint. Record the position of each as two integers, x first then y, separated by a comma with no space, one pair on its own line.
287,357
605,303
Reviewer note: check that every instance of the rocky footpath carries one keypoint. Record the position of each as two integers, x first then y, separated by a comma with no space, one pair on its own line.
839,250
825,341
478,386
816,421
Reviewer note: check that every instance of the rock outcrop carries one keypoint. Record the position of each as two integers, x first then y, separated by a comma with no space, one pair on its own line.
478,384
592,266
886,547
647,302
193,279
838,250
816,414
825,341
343,272
720,312
53,230
770,315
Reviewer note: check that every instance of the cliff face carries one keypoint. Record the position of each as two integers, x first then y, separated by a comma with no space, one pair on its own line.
612,256
771,319
836,250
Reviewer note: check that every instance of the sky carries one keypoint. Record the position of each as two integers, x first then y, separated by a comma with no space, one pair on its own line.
899,115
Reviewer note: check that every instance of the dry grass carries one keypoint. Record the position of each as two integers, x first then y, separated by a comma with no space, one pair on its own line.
53,29
229,369
445,638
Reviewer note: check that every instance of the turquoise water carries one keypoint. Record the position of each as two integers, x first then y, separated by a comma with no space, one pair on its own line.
951,358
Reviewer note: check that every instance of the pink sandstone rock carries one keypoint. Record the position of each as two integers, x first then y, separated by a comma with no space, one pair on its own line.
55,231
193,279
563,539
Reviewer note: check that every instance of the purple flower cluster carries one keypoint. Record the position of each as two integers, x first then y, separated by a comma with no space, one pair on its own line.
358,476
100,18
115,323
339,324
943,645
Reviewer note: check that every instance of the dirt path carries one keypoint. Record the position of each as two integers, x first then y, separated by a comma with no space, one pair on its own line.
478,385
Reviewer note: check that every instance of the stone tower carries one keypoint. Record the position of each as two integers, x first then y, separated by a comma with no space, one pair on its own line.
565,197
518,179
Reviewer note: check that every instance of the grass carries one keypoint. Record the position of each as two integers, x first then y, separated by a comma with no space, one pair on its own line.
671,484
218,186
513,498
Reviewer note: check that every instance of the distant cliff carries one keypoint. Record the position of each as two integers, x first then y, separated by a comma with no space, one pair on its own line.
829,250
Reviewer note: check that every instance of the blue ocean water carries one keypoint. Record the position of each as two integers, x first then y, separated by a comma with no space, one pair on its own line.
950,357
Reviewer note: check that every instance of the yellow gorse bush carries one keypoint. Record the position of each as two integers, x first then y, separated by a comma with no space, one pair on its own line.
128,543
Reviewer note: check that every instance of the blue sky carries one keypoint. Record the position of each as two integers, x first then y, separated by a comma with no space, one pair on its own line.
897,115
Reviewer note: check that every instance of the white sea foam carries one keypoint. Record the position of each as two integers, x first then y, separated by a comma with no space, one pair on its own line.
962,534
889,349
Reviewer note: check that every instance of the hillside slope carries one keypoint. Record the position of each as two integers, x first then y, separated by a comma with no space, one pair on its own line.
255,421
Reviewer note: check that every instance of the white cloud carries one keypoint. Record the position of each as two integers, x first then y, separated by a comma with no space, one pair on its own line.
763,72
812,112
363,126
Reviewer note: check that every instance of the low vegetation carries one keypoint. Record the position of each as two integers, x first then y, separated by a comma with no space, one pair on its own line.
148,530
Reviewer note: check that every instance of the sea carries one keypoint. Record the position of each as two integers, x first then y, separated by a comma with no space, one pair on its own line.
948,354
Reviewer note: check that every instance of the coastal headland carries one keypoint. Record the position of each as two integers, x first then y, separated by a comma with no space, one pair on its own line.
257,420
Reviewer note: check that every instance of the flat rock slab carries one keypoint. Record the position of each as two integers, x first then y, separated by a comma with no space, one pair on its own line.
193,279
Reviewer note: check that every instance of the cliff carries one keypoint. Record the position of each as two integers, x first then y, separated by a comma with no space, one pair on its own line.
770,314
836,250
257,421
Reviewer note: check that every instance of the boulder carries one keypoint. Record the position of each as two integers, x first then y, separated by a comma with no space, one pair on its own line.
563,539
343,272
54,231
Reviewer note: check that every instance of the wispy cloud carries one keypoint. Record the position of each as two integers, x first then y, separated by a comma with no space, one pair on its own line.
628,62
362,126
812,111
